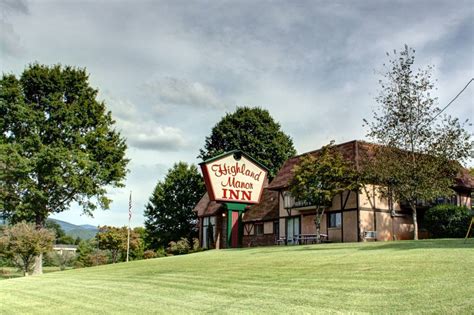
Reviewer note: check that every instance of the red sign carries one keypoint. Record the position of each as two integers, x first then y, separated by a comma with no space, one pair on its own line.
234,177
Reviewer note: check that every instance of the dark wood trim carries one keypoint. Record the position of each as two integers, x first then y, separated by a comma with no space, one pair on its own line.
249,230
327,224
347,198
342,227
358,217
341,210
266,220
382,210
375,220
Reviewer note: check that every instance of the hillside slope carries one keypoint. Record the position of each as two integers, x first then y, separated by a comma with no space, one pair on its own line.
85,232
397,277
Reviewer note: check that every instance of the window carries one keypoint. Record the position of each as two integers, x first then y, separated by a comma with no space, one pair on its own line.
453,200
335,220
208,231
292,229
276,228
259,228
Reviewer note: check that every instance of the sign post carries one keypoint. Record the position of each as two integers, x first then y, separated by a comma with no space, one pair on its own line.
235,179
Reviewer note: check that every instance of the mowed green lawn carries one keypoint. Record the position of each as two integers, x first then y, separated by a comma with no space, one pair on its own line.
393,277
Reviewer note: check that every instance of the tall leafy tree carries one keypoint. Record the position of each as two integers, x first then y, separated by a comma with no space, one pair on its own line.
114,239
253,131
318,179
421,148
58,144
169,213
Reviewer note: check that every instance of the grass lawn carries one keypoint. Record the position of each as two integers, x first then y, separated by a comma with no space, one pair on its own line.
431,276
11,272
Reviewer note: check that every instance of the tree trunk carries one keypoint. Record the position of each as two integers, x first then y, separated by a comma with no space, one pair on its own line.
317,221
38,265
39,259
415,223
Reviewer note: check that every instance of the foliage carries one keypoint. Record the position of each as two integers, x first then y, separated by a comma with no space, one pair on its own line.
180,247
56,228
84,249
447,221
22,242
419,146
136,253
58,144
60,235
114,239
318,179
148,254
253,131
169,213
196,245
61,260
97,258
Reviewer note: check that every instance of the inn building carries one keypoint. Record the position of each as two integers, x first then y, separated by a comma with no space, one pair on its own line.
354,216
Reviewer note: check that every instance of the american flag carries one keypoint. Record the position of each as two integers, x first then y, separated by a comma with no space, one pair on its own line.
130,207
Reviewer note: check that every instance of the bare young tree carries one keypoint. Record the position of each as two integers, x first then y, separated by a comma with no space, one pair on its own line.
420,149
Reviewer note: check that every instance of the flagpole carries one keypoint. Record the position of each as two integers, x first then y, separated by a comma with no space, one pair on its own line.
128,230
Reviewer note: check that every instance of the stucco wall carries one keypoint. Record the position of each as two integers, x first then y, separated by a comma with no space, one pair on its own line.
351,202
249,229
464,200
371,197
334,234
384,226
307,224
282,227
268,227
403,228
366,221
349,222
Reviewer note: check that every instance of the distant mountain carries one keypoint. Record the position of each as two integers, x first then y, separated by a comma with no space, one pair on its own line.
89,227
85,231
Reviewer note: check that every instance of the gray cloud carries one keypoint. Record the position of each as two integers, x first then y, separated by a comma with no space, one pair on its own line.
176,91
10,41
172,69
157,138
14,6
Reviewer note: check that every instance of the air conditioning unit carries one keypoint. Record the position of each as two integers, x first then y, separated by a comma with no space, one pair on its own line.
370,234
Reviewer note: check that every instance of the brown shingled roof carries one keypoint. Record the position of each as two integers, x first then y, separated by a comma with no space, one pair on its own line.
205,207
349,150
267,209
464,179
354,151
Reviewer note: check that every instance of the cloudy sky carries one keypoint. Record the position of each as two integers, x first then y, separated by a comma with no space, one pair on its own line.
168,70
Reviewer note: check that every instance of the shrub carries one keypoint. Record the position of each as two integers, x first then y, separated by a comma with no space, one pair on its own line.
447,221
61,260
180,247
96,258
22,242
160,252
149,254
196,245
